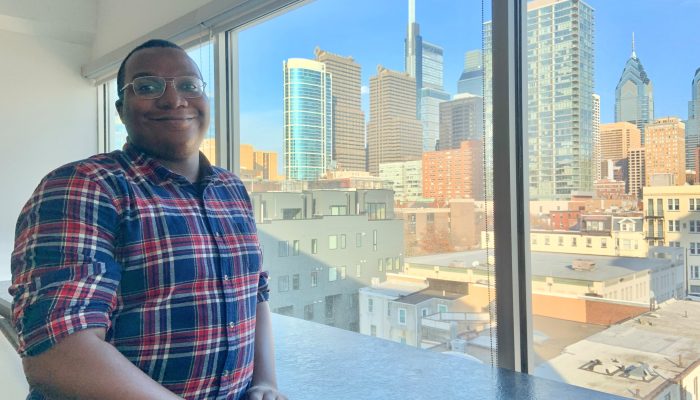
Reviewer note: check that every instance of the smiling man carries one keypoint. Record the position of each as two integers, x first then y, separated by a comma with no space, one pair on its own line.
137,273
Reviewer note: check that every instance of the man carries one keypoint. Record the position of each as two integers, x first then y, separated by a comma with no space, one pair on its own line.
137,274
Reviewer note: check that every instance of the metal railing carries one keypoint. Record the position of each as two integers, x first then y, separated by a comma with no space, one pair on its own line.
6,325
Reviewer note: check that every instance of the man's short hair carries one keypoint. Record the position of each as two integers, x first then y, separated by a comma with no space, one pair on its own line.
153,43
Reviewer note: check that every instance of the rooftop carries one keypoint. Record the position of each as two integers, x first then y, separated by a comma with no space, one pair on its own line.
642,353
556,265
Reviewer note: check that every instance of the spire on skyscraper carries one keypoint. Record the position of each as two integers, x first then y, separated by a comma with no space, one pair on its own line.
634,54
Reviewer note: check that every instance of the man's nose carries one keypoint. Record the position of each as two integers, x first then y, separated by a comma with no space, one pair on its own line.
171,98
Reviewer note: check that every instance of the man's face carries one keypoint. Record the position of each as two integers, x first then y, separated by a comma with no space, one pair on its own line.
170,127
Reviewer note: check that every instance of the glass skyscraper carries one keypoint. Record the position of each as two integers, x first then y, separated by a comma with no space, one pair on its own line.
634,94
560,97
308,116
472,79
424,62
692,125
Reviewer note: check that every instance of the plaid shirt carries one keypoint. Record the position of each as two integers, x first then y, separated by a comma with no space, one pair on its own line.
171,269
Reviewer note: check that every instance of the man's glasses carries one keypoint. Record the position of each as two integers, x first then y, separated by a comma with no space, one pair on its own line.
153,87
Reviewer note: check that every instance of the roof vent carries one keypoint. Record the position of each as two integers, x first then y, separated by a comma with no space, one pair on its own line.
583,265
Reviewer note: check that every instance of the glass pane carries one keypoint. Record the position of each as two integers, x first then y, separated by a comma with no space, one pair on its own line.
375,131
613,222
203,55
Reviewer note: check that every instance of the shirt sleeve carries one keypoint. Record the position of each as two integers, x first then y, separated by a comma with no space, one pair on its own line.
64,276
263,288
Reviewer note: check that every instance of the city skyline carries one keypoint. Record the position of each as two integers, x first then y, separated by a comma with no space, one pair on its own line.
457,29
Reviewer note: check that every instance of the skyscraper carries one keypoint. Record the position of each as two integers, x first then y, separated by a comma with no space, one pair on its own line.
461,119
665,151
308,126
424,62
617,139
348,117
692,126
472,78
560,97
596,138
454,173
636,171
634,94
393,132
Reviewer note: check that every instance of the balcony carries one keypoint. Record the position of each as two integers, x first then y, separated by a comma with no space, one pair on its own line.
321,362
652,214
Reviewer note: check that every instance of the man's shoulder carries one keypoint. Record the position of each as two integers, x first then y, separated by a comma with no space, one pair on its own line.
226,176
99,167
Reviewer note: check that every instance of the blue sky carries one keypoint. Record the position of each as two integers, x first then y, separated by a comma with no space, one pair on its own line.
373,32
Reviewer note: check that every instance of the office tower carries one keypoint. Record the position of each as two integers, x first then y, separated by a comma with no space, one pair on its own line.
454,173
393,132
461,119
406,179
472,78
692,126
308,126
596,137
424,62
634,94
616,140
348,117
258,164
637,177
665,151
560,97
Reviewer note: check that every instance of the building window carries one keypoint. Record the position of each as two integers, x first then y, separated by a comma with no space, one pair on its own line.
674,225
343,272
674,204
295,282
358,270
283,283
309,312
343,241
295,248
694,226
694,248
374,240
283,248
358,239
373,330
314,246
388,264
397,263
424,312
560,240
589,242
370,305
332,274
333,242
573,241
673,244
694,205
603,243
339,210
314,279
402,316
380,264
442,308
376,211
534,239
330,306
546,240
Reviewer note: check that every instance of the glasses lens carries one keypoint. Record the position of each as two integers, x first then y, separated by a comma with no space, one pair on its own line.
189,86
149,87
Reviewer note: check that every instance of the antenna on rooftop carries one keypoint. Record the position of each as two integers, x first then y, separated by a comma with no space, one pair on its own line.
634,53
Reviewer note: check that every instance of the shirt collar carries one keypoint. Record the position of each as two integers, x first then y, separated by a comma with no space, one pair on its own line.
158,174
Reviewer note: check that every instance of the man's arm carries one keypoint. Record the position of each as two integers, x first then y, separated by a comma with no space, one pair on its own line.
264,383
84,366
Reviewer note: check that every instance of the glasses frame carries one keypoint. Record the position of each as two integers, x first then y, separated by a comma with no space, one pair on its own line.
165,87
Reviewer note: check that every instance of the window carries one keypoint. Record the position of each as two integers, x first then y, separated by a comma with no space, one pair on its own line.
283,283
442,308
694,272
560,240
343,241
295,282
343,272
339,210
309,312
694,205
374,240
673,204
388,264
314,246
402,316
332,274
358,270
589,242
314,278
333,242
694,226
674,225
358,239
424,312
295,248
603,243
370,305
573,241
380,264
376,211
694,248
283,250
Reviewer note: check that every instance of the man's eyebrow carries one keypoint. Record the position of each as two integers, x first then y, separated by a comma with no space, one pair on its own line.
140,74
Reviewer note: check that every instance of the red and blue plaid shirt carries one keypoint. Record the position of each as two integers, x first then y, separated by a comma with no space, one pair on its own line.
171,269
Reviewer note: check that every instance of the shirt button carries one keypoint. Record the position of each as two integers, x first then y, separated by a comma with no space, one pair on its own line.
225,372
226,277
217,234
231,325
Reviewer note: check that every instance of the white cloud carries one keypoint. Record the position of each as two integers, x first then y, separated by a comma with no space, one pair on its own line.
364,89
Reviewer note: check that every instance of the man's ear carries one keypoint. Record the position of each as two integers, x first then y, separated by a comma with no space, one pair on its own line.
119,105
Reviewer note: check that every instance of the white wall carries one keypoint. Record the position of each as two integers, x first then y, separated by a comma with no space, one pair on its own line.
120,22
49,117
